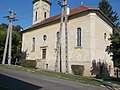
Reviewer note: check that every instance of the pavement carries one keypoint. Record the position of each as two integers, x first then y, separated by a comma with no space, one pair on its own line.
21,80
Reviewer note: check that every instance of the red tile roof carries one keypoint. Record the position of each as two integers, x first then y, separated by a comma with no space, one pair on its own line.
72,11
54,18
79,9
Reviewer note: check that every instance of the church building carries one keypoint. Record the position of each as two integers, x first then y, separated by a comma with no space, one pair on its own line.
88,33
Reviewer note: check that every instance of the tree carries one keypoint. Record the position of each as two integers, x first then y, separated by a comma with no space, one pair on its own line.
114,48
16,41
2,41
3,26
106,8
16,46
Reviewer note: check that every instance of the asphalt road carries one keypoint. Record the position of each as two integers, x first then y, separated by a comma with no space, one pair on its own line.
20,80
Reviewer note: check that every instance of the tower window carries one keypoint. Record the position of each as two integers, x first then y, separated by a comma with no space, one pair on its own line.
78,37
105,36
36,16
45,14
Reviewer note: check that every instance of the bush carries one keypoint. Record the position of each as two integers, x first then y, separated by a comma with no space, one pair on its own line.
77,69
28,63
99,76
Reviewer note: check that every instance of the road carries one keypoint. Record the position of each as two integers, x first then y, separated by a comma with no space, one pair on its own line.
20,80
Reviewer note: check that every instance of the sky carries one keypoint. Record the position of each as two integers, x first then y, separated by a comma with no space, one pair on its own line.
24,9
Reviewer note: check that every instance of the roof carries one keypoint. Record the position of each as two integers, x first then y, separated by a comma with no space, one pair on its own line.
79,9
47,1
72,12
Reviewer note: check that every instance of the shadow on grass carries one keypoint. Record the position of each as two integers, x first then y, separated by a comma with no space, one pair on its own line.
106,85
113,80
14,84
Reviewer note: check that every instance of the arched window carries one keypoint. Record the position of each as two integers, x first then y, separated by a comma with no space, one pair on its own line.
33,44
45,14
58,39
36,16
78,37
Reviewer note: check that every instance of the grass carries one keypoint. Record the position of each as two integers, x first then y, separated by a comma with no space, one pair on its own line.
81,79
71,77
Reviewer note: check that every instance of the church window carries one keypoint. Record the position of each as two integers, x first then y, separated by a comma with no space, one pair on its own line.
45,14
105,36
44,37
78,37
44,53
33,45
36,16
58,35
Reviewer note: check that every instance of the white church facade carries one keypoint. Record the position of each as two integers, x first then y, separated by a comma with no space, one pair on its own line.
88,33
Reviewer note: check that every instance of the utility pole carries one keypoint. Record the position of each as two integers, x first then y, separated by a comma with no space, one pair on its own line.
60,32
63,17
11,18
66,36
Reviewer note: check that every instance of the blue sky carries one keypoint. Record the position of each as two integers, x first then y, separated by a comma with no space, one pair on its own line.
24,9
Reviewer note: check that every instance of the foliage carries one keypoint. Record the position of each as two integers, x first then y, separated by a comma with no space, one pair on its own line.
28,63
78,69
114,48
3,26
16,41
106,8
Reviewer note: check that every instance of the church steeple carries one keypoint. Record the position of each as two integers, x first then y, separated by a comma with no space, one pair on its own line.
41,10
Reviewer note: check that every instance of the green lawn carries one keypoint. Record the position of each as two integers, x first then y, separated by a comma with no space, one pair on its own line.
81,79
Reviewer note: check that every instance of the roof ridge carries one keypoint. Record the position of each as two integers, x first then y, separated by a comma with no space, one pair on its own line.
56,17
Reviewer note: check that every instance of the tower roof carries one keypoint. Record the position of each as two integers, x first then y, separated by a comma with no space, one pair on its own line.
47,1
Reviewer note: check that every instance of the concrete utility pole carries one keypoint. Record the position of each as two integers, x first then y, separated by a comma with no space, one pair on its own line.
59,43
11,18
66,36
63,16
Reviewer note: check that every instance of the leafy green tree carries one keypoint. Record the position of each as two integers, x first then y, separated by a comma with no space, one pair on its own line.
16,41
2,41
114,48
3,26
16,46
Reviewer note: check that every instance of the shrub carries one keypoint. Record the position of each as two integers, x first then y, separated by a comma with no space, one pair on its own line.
28,63
77,69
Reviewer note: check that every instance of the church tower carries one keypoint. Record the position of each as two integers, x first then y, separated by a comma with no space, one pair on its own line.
41,10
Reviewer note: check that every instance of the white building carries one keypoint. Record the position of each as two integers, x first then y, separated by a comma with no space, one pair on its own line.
88,33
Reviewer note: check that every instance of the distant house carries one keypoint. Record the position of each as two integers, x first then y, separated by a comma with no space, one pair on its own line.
88,33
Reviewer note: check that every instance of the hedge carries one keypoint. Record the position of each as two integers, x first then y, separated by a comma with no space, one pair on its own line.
77,69
28,63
